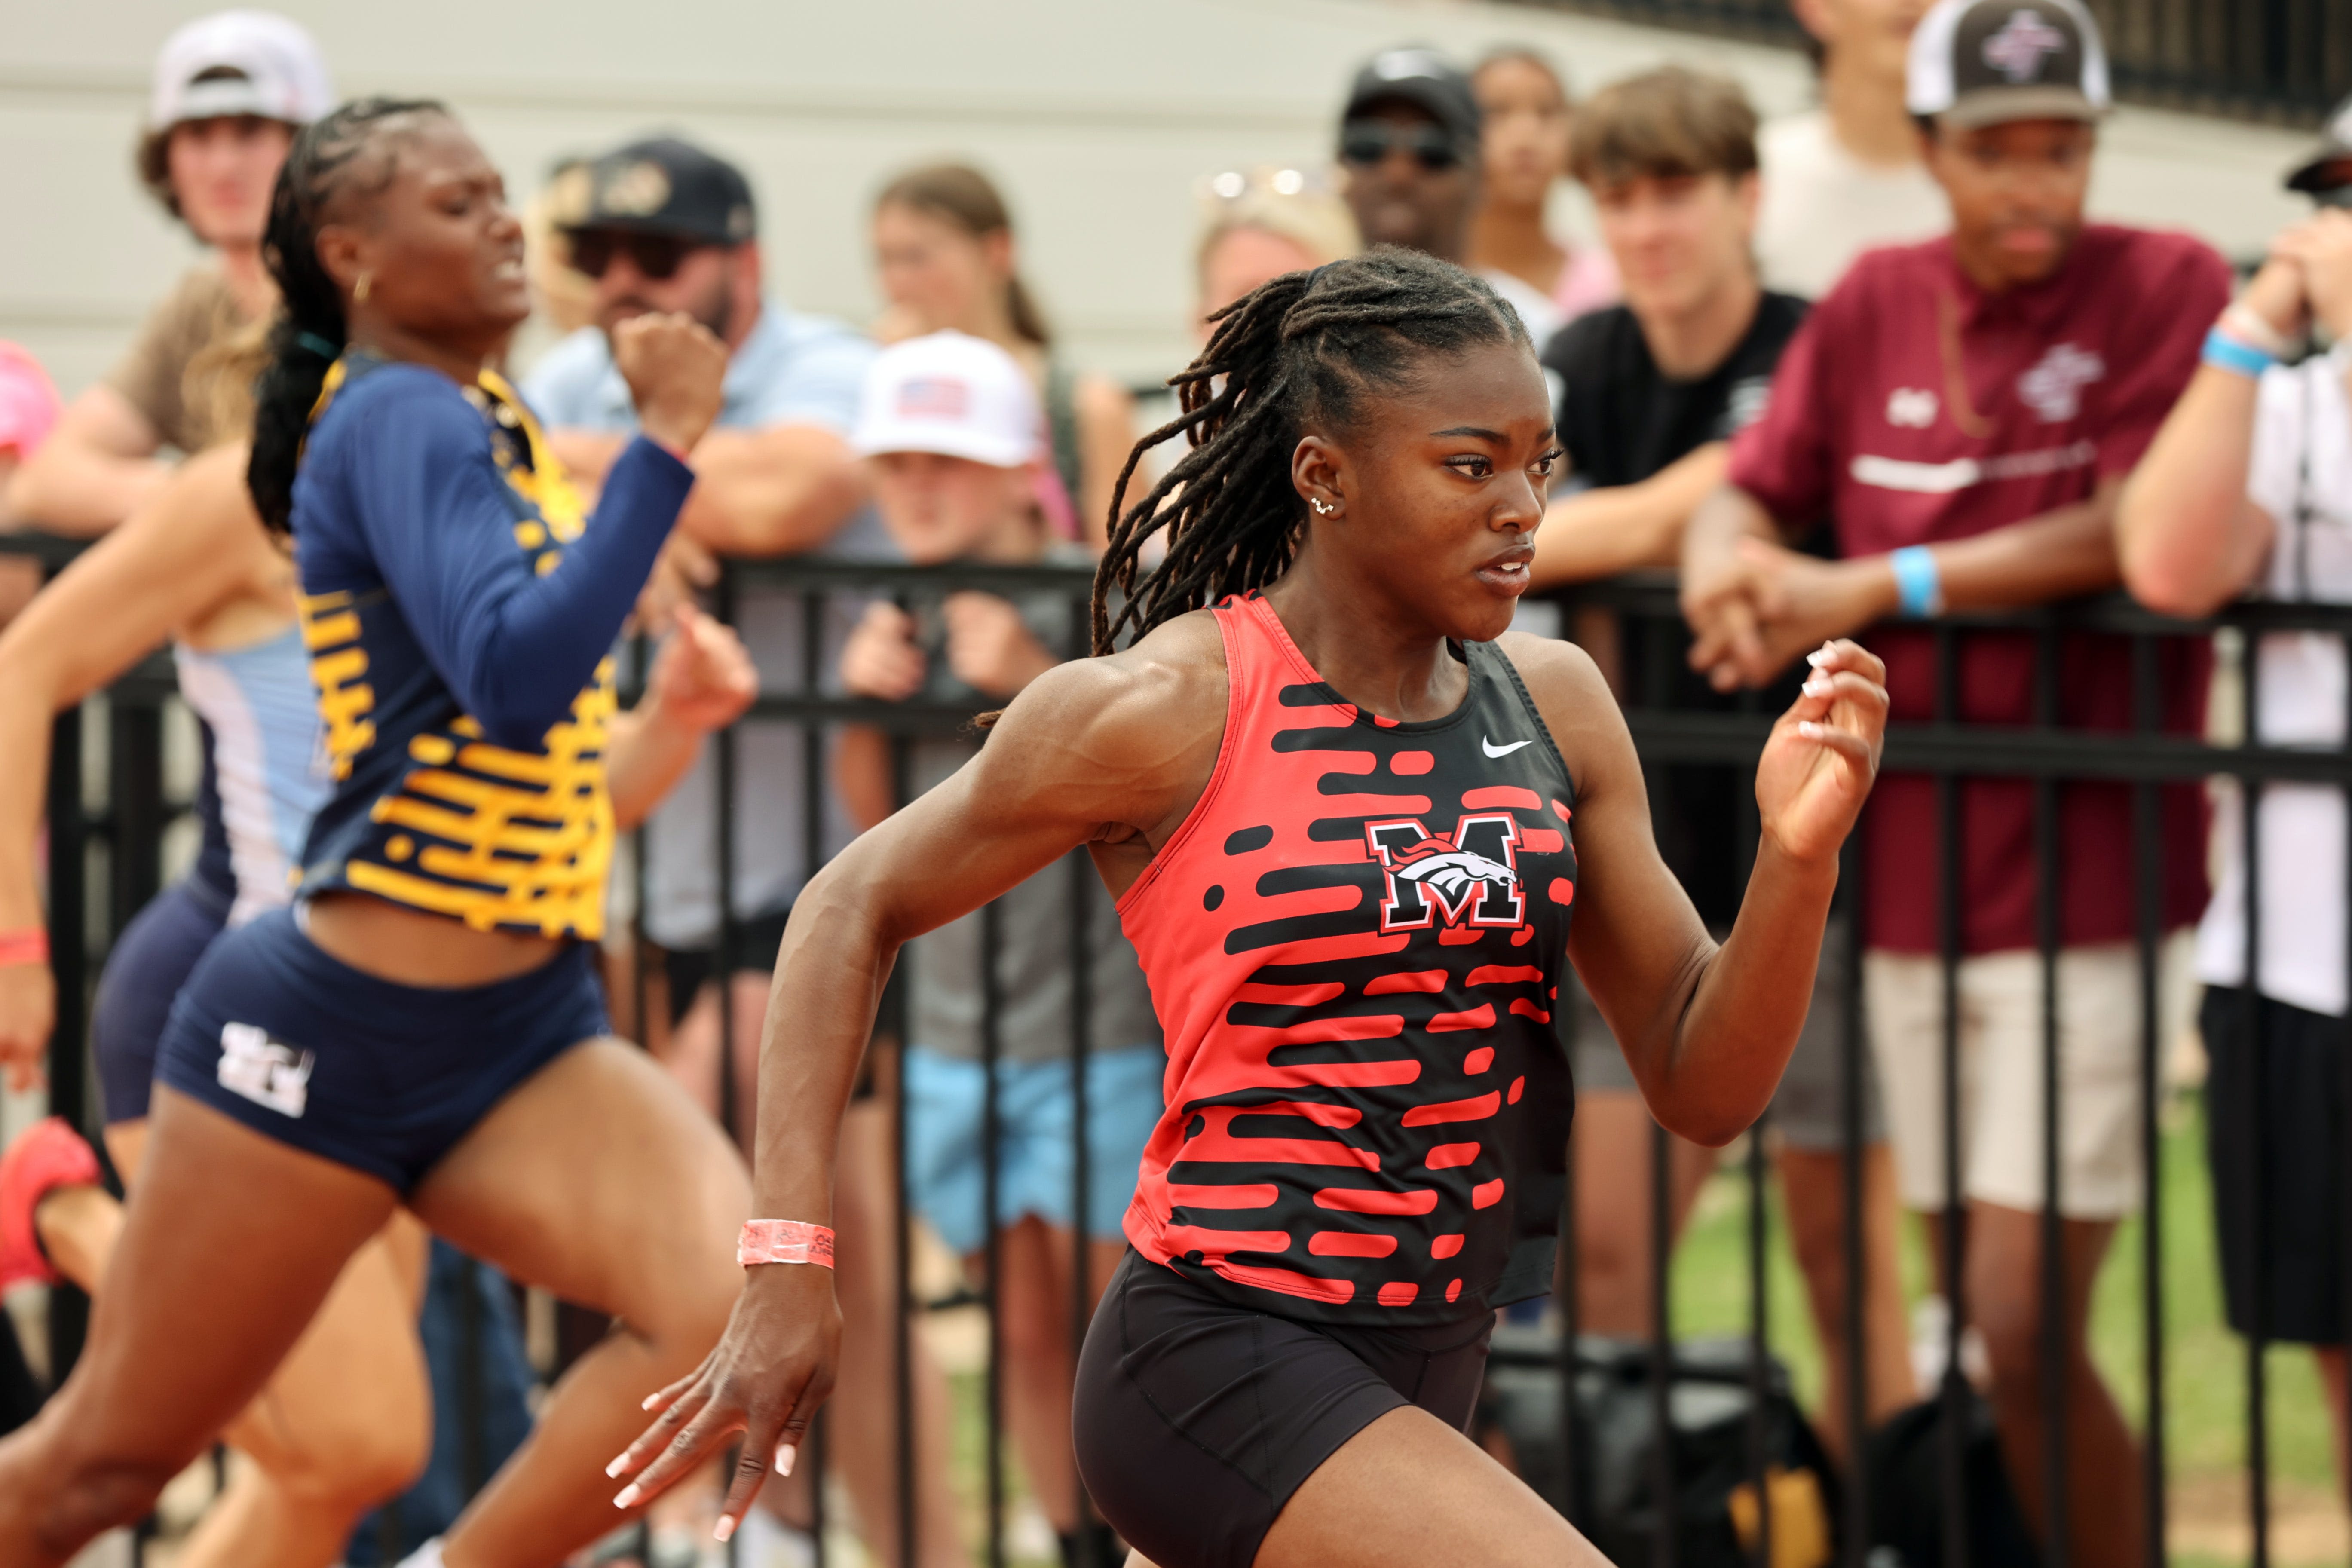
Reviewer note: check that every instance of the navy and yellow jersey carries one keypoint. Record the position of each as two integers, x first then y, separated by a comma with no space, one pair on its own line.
460,611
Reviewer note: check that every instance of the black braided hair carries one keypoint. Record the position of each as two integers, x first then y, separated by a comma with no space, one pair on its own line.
1305,350
310,331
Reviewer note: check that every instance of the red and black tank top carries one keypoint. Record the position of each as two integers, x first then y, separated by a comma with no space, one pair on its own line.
1354,944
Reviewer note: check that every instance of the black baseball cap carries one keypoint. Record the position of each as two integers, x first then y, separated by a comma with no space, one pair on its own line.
667,186
1987,62
2310,174
1424,78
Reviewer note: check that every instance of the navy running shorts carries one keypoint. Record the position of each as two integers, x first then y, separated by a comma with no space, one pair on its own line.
381,1077
1196,1417
149,962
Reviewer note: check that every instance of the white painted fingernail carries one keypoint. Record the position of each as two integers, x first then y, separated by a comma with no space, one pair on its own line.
1818,688
1811,730
1818,658
614,1469
628,1498
648,1401
786,1454
725,1527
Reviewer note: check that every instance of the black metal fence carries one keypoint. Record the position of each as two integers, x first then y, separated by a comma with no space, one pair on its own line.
2265,59
1633,1484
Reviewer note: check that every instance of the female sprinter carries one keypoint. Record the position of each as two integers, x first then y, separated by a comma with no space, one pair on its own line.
344,1422
1335,808
427,1029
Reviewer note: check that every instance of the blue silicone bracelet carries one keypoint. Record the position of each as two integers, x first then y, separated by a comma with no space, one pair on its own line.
2235,355
1918,581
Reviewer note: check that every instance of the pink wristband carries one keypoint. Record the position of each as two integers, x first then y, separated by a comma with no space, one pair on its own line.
784,1241
29,945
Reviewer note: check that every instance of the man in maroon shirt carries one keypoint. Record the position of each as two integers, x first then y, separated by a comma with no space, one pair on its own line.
1965,411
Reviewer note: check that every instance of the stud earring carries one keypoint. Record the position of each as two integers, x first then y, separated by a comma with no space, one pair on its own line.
360,288
1323,508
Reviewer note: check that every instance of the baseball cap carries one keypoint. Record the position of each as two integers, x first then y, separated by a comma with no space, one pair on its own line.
1420,77
239,62
1985,62
666,185
951,393
2310,172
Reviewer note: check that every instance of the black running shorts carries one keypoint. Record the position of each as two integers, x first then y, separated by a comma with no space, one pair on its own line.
1197,1417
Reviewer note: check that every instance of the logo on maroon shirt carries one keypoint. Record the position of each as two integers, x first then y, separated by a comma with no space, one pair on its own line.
2023,42
2052,386
1911,408
1474,874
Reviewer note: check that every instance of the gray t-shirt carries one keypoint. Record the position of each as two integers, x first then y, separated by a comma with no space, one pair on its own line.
1034,920
792,369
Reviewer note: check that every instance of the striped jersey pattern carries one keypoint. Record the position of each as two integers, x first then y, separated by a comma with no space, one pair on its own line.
1354,944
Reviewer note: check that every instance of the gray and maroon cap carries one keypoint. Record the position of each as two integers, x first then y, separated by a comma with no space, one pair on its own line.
1986,62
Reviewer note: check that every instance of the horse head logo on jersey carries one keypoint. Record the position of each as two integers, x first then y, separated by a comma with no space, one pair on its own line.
1473,876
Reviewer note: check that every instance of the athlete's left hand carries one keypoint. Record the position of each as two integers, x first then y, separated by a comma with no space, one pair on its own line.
1819,765
702,679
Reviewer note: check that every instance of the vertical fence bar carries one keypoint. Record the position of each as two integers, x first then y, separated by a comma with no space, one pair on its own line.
1663,1544
135,794
69,964
1955,1395
813,795
1759,1320
1079,645
1851,1045
2047,873
902,1240
2249,794
2148,847
991,1004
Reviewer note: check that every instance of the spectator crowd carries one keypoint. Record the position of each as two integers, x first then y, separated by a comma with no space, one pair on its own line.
1843,373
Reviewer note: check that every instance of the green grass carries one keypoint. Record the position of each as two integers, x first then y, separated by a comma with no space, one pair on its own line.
2205,1363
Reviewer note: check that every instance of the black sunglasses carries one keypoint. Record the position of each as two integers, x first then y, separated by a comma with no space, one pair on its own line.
657,255
1367,142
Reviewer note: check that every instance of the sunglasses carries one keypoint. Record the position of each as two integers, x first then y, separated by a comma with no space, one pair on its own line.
656,256
1367,143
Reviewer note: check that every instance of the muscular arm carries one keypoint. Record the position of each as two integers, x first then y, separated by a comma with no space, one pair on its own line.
1617,528
1708,1030
777,490
194,546
96,469
2189,538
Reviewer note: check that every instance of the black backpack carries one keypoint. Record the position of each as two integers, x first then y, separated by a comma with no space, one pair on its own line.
1904,1462
1709,1400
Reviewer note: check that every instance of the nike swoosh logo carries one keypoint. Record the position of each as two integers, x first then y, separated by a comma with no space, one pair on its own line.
1493,750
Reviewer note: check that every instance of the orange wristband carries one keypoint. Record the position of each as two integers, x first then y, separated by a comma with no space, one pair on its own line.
784,1241
28,944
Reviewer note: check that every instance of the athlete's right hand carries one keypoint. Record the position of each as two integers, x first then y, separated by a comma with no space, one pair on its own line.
771,1370
28,1012
676,371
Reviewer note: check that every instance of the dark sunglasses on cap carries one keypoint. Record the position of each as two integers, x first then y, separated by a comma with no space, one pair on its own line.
1366,143
656,256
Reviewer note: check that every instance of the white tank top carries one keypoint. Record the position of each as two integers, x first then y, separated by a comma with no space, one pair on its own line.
267,758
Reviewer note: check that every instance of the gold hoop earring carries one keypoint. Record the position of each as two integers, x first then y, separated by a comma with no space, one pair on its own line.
360,288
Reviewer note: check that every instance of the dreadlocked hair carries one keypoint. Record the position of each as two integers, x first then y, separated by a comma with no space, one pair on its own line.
1306,349
308,334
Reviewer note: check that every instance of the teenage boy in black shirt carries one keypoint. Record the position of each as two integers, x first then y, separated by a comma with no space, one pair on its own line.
1648,395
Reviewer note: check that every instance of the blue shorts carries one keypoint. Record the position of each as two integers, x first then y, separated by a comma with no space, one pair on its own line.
381,1077
1034,1170
151,961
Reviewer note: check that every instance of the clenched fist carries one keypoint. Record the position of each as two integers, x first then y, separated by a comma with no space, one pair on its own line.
677,373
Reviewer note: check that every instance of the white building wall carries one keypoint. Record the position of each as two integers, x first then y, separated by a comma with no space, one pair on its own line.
1099,117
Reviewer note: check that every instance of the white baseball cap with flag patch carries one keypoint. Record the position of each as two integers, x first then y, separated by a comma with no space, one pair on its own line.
954,394
1987,62
239,62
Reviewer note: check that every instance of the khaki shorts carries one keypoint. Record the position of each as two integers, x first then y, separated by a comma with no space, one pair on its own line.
2101,1173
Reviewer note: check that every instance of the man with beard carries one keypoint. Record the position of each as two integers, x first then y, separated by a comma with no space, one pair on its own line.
662,224
1408,140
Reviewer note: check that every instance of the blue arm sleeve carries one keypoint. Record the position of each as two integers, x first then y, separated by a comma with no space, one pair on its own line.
513,645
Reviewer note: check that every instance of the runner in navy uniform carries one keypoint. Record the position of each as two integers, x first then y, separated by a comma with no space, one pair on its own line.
1337,809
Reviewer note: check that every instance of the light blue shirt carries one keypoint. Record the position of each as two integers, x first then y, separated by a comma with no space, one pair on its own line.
791,369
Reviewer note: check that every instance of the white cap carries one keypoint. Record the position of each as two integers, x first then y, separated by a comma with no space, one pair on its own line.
266,66
1986,62
957,396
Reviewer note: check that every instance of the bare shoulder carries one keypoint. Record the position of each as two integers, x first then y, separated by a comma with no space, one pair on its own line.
1141,727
